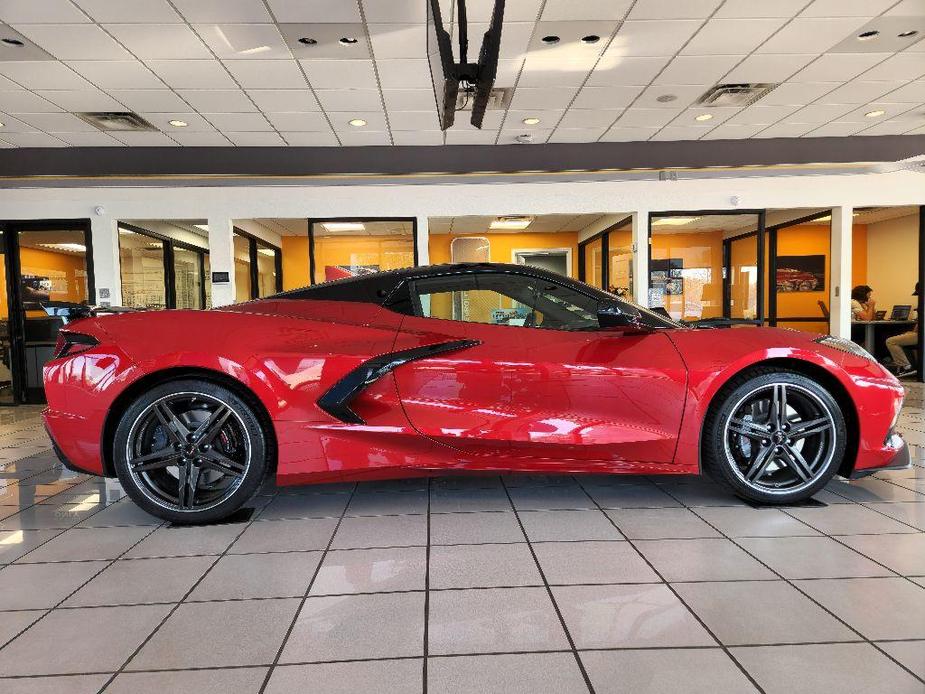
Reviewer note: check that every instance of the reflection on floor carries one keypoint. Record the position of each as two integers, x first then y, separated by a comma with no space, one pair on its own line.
515,584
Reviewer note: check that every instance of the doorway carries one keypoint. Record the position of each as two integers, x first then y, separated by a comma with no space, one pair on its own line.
556,260
43,261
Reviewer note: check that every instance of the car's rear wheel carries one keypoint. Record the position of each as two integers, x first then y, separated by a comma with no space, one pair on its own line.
190,451
774,436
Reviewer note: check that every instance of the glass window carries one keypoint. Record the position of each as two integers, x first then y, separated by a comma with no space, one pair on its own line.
620,262
266,270
347,248
242,268
141,258
743,277
505,299
593,262
187,278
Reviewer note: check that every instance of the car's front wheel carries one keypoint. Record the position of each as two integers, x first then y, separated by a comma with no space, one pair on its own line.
190,451
774,436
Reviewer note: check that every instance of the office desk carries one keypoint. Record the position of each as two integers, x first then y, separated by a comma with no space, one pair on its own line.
870,327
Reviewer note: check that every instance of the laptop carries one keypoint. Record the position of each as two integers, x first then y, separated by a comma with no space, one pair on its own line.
901,312
880,315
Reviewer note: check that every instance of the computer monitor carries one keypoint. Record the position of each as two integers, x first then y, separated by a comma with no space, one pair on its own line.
901,312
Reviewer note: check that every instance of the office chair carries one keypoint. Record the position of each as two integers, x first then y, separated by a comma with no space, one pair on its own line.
825,309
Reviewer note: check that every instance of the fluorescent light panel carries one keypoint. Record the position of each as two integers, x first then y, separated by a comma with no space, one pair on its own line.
673,221
516,223
344,226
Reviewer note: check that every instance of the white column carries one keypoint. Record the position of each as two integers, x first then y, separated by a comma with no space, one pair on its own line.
840,286
221,258
641,257
104,234
423,241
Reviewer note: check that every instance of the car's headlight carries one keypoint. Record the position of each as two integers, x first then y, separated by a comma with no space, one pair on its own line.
843,345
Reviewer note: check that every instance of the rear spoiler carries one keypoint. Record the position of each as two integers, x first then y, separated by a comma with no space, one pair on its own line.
69,312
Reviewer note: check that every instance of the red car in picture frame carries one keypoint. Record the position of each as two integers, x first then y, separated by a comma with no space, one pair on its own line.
455,369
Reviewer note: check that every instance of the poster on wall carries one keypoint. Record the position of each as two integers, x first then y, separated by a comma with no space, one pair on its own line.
801,273
339,272
665,279
35,289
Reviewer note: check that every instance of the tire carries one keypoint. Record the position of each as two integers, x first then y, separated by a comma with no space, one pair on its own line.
196,430
765,456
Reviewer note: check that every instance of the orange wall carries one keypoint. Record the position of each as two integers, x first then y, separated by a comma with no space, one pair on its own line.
502,246
295,262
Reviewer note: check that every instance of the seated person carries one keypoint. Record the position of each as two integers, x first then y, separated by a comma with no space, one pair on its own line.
896,343
863,307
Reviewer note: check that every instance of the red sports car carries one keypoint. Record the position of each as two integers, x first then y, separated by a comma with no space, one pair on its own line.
444,369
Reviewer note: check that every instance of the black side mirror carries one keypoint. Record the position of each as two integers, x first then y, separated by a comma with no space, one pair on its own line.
616,314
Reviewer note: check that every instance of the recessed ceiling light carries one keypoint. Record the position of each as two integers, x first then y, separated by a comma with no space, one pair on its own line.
550,40
666,98
308,41
868,35
1,125
874,114
343,226
704,116
531,121
515,222
357,122
73,247
13,42
590,38
348,40
178,123
907,34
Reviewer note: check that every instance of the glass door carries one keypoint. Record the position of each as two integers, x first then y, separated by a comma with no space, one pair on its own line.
800,273
741,273
6,344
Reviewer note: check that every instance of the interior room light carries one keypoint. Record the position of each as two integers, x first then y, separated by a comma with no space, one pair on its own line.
590,38
511,223
178,123
550,40
531,121
874,114
704,116
308,41
76,247
13,42
348,40
673,221
907,34
357,122
204,227
868,35
344,226
266,251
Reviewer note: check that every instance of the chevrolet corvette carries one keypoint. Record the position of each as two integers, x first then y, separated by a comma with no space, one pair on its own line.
454,369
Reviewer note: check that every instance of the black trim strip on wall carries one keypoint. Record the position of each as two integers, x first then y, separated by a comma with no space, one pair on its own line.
337,399
312,221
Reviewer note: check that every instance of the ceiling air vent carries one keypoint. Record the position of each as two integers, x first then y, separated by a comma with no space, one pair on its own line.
736,95
498,100
110,121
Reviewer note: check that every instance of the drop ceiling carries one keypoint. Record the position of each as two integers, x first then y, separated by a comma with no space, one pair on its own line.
480,224
236,74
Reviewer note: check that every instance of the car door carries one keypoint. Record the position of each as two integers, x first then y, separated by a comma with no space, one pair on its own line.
538,379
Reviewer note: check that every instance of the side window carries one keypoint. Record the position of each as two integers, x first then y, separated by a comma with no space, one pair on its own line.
504,299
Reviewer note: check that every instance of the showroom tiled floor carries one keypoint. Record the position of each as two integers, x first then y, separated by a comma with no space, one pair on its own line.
520,584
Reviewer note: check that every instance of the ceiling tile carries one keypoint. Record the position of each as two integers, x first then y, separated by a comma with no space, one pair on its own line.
769,67
560,10
731,36
835,129
256,139
628,134
267,74
25,102
413,120
192,74
554,97
349,99
56,122
685,96
837,67
28,50
697,69
421,137
32,140
613,70
75,41
341,74
117,74
375,120
471,137
239,122
404,74
798,93
825,33
398,40
902,66
364,139
859,92
310,139
228,11
81,99
672,9
508,70
299,122
846,8
153,100
40,12
907,8
890,127
160,41
688,117
327,41
576,134
284,100
913,93
244,41
89,139
655,38
514,10
750,8
733,132
315,11
674,133
144,139
203,139
7,85
130,11
194,122
409,99
399,11
588,118
218,100
785,130
819,113
562,74
645,117
43,74
762,115
14,125
891,111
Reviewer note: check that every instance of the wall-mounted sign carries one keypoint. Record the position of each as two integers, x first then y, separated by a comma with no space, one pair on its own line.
220,277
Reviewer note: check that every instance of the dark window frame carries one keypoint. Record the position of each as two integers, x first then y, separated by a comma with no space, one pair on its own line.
312,221
604,236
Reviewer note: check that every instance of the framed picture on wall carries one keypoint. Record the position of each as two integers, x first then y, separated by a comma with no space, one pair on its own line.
800,273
